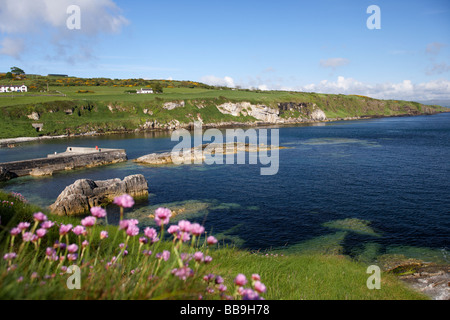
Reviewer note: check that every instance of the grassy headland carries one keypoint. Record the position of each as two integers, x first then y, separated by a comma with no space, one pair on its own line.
74,105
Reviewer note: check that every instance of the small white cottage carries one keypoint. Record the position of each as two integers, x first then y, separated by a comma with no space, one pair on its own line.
145,91
22,88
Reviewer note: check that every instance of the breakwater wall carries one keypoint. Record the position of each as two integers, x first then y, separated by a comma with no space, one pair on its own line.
73,158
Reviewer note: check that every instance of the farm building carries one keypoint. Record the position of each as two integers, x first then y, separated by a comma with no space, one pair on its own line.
22,88
145,91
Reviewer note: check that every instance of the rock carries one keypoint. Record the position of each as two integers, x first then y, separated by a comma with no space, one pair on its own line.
318,115
174,105
37,172
34,116
5,175
84,194
259,112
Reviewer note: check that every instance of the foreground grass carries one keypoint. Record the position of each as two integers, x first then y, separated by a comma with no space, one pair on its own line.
136,276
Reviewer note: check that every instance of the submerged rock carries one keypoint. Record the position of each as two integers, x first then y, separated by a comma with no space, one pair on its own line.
84,194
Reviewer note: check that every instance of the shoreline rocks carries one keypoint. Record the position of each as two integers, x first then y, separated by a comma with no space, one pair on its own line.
84,194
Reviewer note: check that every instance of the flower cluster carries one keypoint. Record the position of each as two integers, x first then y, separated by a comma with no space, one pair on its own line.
151,258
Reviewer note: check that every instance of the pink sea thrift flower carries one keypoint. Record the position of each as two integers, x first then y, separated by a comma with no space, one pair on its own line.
152,234
162,216
27,237
41,232
89,221
260,287
240,280
165,255
211,240
249,294
65,229
256,277
132,230
40,217
173,229
124,201
72,248
10,256
198,256
14,232
183,273
184,225
196,229
23,226
72,256
98,212
85,244
143,240
103,235
47,224
79,230
207,259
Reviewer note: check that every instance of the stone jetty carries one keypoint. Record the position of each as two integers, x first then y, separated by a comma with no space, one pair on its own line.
73,158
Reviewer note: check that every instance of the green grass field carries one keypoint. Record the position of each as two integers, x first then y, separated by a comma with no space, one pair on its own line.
109,108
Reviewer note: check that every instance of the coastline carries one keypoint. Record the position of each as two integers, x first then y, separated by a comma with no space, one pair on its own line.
12,142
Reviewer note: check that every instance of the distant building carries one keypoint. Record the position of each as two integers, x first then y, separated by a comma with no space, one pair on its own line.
58,75
145,91
22,88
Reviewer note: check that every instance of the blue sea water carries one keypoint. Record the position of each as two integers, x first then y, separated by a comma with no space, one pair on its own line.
391,173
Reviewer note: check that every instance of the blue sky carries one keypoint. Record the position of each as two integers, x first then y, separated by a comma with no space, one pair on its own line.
322,46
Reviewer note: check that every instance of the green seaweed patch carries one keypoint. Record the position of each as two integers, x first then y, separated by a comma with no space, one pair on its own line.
330,244
354,225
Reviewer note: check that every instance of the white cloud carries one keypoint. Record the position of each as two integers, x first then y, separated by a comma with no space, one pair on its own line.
216,81
12,47
41,23
334,62
34,15
405,90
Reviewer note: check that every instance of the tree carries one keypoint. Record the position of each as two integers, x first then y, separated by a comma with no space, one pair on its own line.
157,88
17,70
8,75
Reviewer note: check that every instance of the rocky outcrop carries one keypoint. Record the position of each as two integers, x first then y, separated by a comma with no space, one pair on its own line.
174,105
84,194
259,112
5,174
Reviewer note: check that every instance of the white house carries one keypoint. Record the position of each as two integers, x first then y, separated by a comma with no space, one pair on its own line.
145,91
22,88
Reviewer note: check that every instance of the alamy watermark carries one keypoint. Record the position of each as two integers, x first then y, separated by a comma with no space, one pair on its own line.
212,147
374,21
374,281
73,22
74,281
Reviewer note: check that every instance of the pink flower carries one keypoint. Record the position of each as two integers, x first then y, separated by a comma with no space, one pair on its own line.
72,248
219,280
183,273
85,244
89,221
14,232
143,240
124,201
184,236
211,240
162,216
40,217
72,256
173,229
41,232
23,225
260,287
256,277
27,236
103,235
185,226
10,256
79,230
207,259
125,224
98,212
151,234
222,288
65,229
198,256
197,229
132,230
249,294
47,224
240,280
